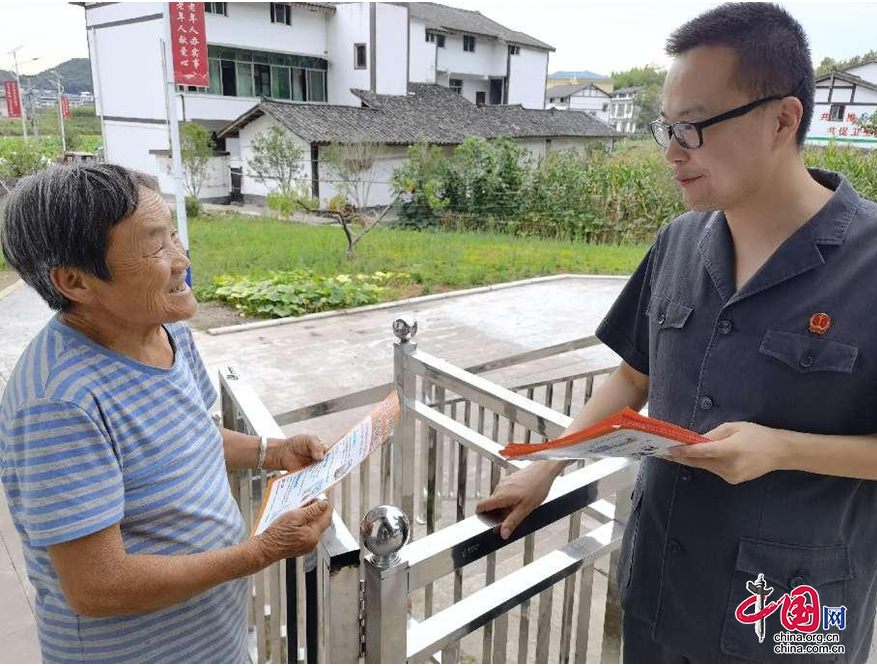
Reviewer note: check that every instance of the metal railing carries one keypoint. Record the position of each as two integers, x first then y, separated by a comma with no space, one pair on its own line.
445,455
290,602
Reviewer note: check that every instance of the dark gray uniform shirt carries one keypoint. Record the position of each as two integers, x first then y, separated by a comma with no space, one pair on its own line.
714,354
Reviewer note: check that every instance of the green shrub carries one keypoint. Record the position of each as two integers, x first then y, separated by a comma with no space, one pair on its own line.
19,159
193,207
486,178
422,181
299,292
622,196
859,166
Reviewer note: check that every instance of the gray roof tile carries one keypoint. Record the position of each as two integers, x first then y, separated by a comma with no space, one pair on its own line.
429,112
454,19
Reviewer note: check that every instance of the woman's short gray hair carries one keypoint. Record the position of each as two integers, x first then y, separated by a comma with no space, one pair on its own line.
62,217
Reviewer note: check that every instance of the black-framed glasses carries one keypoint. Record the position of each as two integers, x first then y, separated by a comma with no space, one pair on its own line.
690,135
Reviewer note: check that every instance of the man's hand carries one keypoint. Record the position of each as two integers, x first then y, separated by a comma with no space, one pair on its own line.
739,452
519,493
294,533
294,453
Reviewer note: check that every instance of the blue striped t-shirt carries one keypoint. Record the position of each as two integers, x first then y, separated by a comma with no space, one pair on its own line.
90,438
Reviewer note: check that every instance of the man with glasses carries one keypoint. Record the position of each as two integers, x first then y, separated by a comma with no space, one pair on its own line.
752,320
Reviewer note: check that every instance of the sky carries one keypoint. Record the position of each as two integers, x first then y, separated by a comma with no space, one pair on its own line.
597,36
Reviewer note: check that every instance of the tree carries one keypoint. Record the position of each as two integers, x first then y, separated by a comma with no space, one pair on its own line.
196,150
421,182
648,101
277,157
868,122
351,169
648,104
829,65
639,76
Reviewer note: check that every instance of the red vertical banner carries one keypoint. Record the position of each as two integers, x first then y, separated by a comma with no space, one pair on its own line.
13,100
65,106
189,43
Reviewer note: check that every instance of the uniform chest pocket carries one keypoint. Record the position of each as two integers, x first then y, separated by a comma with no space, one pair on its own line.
667,313
785,567
806,353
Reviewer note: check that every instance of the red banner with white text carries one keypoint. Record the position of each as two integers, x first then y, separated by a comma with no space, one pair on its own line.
189,43
13,100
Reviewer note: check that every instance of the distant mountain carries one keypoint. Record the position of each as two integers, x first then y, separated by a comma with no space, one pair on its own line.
75,76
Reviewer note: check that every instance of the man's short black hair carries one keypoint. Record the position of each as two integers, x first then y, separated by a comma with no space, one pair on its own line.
62,217
773,54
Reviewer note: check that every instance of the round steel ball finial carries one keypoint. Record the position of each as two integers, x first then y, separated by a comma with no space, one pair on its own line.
405,329
385,530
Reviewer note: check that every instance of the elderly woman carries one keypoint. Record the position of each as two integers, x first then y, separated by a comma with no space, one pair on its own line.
114,472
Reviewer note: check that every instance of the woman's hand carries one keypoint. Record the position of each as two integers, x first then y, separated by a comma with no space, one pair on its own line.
295,532
294,452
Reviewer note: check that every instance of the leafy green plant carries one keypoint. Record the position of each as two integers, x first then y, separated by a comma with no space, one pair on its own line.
277,157
196,149
193,207
300,292
287,202
421,182
19,159
858,166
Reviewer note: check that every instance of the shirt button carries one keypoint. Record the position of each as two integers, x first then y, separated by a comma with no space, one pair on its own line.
797,581
706,403
685,475
806,360
661,319
725,327
675,547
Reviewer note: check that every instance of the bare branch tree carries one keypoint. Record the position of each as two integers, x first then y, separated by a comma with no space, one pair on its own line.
351,168
349,217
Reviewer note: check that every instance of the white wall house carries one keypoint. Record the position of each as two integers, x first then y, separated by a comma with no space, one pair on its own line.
623,110
392,123
301,53
843,101
484,61
585,97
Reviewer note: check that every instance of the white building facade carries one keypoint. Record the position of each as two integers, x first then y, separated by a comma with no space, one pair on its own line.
312,53
845,101
623,110
484,61
585,97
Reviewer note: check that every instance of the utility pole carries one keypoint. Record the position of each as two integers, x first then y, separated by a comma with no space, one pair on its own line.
60,112
14,53
170,97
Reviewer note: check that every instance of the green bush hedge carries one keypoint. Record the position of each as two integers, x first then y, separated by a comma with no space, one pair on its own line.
620,197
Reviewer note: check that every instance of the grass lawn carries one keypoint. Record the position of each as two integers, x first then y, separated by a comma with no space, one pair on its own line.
82,120
437,261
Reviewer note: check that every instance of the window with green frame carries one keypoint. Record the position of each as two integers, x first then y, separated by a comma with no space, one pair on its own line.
247,73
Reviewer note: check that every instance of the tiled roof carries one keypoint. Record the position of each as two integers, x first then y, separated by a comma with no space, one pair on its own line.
563,91
429,112
454,19
582,74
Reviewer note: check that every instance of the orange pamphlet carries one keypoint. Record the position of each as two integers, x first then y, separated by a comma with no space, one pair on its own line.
626,433
294,489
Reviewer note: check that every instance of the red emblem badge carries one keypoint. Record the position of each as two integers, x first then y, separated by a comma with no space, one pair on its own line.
820,323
